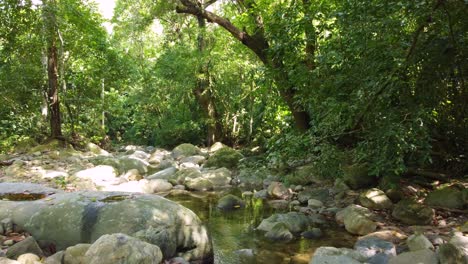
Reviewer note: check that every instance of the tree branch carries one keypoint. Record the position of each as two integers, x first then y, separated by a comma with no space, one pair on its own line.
257,44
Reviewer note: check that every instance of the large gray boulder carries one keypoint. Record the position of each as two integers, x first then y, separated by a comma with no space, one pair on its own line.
121,248
412,213
165,174
127,163
66,219
219,178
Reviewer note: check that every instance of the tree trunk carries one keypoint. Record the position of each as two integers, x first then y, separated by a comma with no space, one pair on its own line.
52,71
203,93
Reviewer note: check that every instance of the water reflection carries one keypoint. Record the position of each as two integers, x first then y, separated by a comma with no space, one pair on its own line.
235,239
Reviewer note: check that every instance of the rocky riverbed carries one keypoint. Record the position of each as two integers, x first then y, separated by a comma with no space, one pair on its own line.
89,204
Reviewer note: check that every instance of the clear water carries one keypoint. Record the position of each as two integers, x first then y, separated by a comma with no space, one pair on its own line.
235,230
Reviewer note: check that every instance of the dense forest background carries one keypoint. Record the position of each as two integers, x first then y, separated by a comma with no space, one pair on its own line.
334,83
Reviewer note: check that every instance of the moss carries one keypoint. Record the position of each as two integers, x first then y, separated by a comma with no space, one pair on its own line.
225,157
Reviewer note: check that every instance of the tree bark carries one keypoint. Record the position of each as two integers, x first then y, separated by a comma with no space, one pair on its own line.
52,70
203,93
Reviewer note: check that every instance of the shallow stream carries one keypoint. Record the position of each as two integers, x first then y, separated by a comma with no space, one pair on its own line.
235,238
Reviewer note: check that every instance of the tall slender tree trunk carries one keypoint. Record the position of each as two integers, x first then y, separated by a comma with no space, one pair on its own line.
52,69
203,93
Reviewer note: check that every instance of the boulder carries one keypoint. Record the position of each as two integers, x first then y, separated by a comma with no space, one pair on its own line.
418,241
315,204
412,213
101,176
356,176
332,255
29,258
157,185
357,220
449,253
165,174
126,249
295,222
448,197
186,174
217,146
185,150
425,256
140,155
219,178
95,149
133,175
28,245
198,184
127,163
197,159
371,246
303,175
229,202
76,254
375,199
225,157
461,242
8,261
279,232
321,194
67,219
56,258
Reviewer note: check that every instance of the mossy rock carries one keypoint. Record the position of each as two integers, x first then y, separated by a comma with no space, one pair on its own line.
230,202
357,176
225,157
25,144
448,197
412,213
303,175
185,150
52,145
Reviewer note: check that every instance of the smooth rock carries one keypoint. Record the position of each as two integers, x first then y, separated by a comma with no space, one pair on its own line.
165,174
7,226
313,203
8,261
321,194
197,159
375,199
332,255
133,175
412,213
157,185
230,202
28,245
66,218
185,150
461,242
448,197
356,220
199,184
109,248
28,258
417,242
424,256
127,163
101,175
76,254
56,258
372,246
295,222
217,146
279,232
219,178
